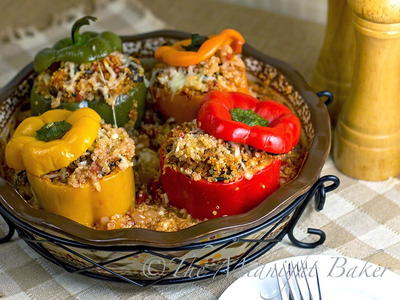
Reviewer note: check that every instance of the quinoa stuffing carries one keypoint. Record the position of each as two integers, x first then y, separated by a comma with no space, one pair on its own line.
201,156
291,164
223,71
106,78
149,216
185,147
151,209
112,149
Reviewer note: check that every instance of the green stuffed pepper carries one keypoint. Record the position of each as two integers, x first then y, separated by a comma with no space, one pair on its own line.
89,70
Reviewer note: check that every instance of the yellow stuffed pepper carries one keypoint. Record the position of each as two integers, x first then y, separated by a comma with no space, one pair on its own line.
76,166
189,69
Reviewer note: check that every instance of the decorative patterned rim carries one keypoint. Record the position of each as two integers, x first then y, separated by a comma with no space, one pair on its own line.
195,235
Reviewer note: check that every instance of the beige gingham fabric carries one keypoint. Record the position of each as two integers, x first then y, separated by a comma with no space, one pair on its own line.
361,219
21,44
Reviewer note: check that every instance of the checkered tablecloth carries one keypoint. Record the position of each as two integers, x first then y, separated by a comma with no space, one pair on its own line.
361,219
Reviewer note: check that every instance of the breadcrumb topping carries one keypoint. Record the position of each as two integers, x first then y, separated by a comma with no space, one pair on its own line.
223,71
106,78
191,151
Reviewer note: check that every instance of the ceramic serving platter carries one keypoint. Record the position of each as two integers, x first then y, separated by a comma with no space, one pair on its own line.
284,85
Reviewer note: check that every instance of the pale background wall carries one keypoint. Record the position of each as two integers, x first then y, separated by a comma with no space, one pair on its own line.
311,10
40,13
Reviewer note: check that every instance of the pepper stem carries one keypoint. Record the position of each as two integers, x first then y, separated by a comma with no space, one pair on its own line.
247,116
78,24
196,42
53,131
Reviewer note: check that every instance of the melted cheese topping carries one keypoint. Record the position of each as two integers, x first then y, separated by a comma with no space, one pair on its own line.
224,71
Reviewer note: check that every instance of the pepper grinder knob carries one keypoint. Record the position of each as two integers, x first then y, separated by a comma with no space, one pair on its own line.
367,135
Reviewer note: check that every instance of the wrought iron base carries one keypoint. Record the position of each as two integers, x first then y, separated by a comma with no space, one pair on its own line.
36,239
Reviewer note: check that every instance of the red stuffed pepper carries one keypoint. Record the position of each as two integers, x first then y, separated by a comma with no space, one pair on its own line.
223,164
206,200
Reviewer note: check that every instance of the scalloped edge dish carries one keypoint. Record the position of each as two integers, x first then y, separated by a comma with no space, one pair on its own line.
276,203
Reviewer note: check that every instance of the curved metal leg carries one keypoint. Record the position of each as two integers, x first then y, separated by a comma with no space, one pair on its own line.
328,95
318,190
9,235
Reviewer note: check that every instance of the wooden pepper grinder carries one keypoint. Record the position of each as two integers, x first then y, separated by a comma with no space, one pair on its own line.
334,68
367,135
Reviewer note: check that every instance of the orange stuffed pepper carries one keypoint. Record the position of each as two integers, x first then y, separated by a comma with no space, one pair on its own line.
190,68
77,167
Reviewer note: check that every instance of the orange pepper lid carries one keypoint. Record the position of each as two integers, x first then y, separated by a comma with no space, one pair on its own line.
176,55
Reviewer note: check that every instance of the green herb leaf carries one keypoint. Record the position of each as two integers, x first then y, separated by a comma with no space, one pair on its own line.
247,116
197,41
53,131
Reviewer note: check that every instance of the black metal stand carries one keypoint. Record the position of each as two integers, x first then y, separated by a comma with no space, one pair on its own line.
318,191
328,95
36,239
10,233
